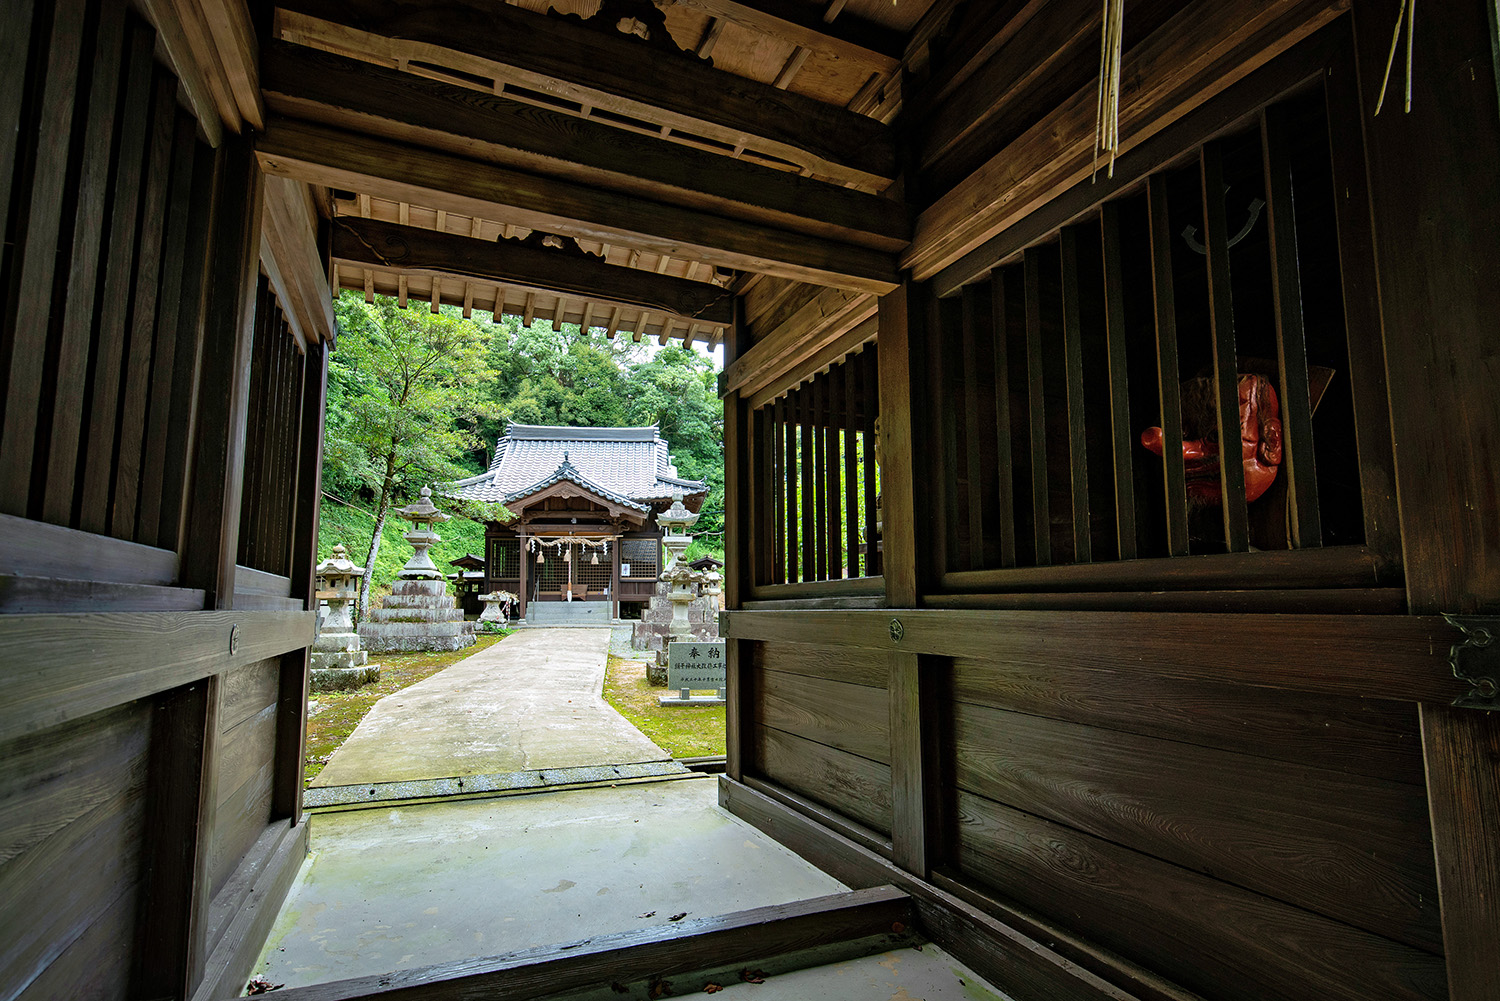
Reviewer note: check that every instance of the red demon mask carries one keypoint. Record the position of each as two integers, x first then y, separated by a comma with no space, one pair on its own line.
1260,438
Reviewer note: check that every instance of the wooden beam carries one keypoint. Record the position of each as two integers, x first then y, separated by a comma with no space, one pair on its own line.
289,232
861,44
51,671
398,172
368,243
1396,657
663,950
338,91
1198,54
578,64
827,317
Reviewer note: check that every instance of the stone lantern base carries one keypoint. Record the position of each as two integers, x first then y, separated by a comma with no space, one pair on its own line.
419,615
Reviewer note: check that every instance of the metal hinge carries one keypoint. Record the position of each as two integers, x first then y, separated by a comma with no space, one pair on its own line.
1476,661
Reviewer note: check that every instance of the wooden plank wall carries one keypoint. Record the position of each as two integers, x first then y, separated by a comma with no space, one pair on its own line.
149,806
1172,824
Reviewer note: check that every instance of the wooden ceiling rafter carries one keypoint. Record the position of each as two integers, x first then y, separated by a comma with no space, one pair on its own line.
585,66
337,91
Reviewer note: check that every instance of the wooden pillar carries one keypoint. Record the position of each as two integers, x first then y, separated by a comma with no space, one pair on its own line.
1432,199
291,711
525,568
614,574
737,562
900,344
172,948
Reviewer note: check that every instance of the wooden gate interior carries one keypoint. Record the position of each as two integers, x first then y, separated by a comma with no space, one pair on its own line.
1117,720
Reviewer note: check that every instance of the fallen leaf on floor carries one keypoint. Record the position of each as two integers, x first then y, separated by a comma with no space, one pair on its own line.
260,985
648,914
678,917
753,976
711,988
659,989
619,988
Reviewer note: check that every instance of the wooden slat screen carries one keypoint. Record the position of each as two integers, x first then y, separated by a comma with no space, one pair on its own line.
267,514
105,192
1148,312
818,488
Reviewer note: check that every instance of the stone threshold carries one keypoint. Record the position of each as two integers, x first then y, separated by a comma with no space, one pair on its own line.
499,783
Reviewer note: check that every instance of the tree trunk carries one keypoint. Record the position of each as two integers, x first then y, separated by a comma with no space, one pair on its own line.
381,509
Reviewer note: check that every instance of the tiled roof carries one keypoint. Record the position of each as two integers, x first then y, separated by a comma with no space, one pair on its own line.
627,465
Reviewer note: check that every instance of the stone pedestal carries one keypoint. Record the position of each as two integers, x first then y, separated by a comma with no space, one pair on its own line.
419,614
494,618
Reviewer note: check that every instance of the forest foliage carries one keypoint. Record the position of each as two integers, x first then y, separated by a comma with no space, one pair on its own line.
416,398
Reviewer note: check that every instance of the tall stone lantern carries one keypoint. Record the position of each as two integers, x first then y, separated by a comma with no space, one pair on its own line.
338,661
419,614
679,579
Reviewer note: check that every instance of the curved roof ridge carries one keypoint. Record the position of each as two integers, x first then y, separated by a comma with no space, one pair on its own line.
567,471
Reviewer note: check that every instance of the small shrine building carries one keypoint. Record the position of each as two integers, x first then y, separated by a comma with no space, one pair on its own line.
586,501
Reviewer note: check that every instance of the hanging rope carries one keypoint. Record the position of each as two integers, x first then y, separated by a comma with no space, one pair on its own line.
1406,15
1107,112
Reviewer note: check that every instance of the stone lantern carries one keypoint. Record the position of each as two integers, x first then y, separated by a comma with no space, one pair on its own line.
419,614
679,580
675,522
423,515
338,662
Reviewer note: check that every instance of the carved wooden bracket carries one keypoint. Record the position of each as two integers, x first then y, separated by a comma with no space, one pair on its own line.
642,19
554,243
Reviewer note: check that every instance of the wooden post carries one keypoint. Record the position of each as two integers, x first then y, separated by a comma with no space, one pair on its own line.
901,345
737,548
1431,196
185,730
525,560
291,712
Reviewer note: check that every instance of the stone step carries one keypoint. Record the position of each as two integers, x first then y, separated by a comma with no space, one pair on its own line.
435,588
417,601
415,615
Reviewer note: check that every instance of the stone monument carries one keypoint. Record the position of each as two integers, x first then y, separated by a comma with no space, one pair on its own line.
338,662
677,611
419,614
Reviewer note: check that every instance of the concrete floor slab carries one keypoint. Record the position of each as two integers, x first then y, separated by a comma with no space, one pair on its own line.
396,887
531,701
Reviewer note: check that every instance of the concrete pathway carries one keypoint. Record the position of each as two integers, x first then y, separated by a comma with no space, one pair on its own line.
530,701
395,887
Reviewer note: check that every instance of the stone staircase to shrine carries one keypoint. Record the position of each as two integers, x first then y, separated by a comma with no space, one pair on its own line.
568,613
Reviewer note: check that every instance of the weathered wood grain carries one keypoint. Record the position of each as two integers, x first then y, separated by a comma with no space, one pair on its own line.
1244,947
834,663
1352,848
845,783
850,717
53,672
1359,736
1395,657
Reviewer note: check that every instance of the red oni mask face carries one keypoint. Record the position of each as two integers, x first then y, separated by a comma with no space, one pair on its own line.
1260,438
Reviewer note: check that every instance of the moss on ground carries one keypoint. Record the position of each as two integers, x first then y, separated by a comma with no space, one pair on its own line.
332,716
683,732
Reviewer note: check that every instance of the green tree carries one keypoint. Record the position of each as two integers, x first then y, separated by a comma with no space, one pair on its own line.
407,394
